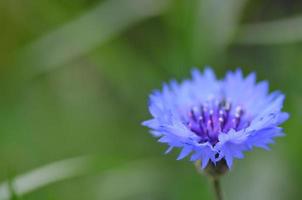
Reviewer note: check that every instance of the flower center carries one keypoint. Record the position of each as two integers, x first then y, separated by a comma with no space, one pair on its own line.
213,118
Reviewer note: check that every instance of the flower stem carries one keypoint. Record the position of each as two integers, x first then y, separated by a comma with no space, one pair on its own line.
214,173
217,189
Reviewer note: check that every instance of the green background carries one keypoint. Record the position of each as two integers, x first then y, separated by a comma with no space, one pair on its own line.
75,78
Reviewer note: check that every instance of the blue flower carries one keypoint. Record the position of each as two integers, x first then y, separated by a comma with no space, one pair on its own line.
214,119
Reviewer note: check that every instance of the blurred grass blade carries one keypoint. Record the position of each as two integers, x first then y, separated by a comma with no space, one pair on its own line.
217,24
274,32
135,171
134,180
87,32
202,30
222,19
46,175
5,191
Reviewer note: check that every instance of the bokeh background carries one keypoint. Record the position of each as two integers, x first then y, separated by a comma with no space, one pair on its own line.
74,81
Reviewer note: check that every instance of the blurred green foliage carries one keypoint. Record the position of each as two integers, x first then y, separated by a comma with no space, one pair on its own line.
75,77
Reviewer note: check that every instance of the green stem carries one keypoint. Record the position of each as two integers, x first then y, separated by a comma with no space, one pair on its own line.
217,189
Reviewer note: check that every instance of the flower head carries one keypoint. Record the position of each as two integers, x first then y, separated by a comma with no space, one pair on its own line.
214,119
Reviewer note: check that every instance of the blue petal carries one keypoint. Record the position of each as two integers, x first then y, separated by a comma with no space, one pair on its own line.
263,137
204,152
184,152
169,149
231,145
